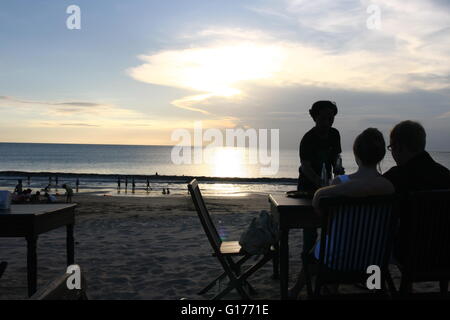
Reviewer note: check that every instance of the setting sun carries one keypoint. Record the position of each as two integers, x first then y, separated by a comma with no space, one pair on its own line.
228,162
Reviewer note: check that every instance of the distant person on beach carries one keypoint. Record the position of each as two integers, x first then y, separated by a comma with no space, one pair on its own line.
50,198
19,187
69,193
164,191
320,149
36,198
369,149
27,195
168,191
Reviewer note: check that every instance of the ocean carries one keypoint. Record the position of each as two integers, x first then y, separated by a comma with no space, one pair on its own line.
227,171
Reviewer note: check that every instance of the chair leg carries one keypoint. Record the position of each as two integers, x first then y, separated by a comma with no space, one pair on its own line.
405,287
212,284
317,287
308,280
223,292
235,266
251,290
390,284
443,286
276,263
242,292
3,266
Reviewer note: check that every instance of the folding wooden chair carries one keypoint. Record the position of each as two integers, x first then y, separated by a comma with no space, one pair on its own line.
424,241
356,233
225,251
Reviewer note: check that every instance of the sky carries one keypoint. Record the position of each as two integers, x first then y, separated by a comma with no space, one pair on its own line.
138,70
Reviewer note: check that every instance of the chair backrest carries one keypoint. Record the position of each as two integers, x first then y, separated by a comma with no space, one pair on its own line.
205,218
425,235
358,232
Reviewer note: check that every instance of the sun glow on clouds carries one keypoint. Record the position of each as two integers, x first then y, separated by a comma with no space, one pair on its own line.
336,51
216,71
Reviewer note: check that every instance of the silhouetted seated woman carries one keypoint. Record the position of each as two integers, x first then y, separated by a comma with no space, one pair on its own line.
369,149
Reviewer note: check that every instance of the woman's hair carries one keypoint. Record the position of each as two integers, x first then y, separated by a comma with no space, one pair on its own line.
369,147
323,104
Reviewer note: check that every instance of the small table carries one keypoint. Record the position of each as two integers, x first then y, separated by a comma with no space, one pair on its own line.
29,221
290,213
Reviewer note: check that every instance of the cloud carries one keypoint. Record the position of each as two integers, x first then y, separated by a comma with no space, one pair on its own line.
54,124
79,108
444,116
333,48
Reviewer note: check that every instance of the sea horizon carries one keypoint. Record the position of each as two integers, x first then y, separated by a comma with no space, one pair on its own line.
98,167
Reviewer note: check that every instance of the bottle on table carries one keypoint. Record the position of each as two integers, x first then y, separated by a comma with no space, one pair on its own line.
324,176
338,168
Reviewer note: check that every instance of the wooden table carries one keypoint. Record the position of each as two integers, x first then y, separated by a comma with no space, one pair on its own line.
29,221
290,213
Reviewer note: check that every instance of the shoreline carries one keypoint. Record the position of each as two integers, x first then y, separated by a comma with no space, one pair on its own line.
152,177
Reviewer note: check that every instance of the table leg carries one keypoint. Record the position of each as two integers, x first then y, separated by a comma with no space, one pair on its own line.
284,263
31,264
70,243
276,262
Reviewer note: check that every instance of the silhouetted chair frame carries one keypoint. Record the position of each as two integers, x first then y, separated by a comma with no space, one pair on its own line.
360,232
424,240
225,251
58,290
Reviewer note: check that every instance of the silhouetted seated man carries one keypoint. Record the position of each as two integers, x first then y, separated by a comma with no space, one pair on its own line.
415,170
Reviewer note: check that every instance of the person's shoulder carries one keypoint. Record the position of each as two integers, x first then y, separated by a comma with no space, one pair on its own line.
334,132
308,135
392,172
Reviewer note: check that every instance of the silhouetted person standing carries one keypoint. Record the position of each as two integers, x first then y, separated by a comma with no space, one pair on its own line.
69,193
319,149
19,187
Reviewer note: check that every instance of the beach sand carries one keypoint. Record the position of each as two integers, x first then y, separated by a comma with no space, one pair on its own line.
147,248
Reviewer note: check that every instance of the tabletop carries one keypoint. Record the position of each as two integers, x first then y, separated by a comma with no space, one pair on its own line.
35,209
284,201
